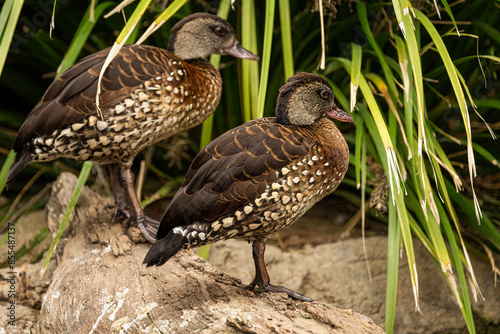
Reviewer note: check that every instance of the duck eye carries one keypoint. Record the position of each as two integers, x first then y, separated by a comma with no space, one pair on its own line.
323,94
219,31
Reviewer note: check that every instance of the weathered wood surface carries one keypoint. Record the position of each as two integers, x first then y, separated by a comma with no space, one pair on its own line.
100,286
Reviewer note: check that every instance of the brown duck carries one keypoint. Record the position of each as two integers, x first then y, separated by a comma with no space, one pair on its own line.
147,95
259,177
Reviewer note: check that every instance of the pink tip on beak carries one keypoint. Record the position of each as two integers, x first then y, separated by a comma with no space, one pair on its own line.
339,114
236,50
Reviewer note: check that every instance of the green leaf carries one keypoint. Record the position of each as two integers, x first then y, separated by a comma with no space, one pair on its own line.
8,21
4,172
286,38
81,36
266,56
357,53
82,178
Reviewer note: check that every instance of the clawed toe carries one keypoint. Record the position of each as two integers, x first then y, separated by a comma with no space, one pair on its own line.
148,227
291,293
276,288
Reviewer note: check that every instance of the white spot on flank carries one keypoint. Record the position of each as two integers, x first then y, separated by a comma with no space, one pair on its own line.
101,125
315,158
311,180
247,209
66,132
179,230
129,102
327,164
227,222
77,126
119,109
296,179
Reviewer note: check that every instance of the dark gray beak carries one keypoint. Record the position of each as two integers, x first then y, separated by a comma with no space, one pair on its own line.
236,50
339,114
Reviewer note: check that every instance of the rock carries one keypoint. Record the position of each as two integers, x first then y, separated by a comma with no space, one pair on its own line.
29,286
101,286
337,274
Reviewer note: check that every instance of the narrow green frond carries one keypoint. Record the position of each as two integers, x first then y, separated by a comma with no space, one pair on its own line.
357,53
81,36
9,15
286,37
5,169
164,17
82,178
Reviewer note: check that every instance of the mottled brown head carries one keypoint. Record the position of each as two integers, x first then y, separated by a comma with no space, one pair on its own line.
304,99
201,35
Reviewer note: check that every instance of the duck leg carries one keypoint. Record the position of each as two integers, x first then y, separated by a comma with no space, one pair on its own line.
262,280
120,199
147,227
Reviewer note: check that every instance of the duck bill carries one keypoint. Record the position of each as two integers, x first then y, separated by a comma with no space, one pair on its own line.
339,114
236,50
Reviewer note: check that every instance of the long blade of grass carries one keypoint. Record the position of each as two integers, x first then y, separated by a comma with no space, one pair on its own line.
164,17
254,66
82,178
378,129
10,9
246,26
450,13
81,36
365,26
457,88
120,41
455,258
357,151
266,56
393,242
4,15
248,69
356,56
286,38
414,57
5,169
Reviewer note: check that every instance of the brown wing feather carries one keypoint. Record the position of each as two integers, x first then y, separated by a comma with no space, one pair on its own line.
232,171
71,97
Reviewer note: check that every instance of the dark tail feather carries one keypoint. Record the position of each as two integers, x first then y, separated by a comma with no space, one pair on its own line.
23,158
163,249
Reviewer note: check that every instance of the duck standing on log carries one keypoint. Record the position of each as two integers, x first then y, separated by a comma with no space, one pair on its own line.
259,177
147,95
